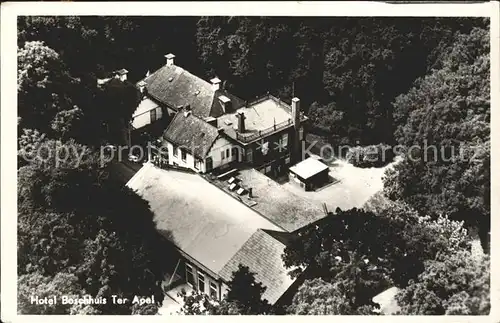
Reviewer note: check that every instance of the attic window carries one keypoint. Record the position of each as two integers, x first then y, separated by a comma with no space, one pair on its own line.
228,122
197,92
170,79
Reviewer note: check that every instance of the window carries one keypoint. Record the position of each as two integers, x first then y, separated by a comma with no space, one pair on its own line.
153,115
209,164
249,155
190,275
265,147
222,155
197,163
287,160
234,152
174,150
214,290
228,152
284,140
183,155
268,169
201,282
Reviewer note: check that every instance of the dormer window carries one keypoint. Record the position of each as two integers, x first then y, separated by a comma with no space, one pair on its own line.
225,102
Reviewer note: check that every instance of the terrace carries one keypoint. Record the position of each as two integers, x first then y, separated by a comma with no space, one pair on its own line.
281,206
263,117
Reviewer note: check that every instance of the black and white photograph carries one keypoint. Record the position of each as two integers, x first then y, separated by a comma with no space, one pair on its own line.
250,163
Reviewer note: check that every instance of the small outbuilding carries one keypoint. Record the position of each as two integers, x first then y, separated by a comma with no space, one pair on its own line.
309,174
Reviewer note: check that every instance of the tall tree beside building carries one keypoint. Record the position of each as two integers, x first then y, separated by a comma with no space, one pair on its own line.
74,219
454,284
45,91
244,297
446,118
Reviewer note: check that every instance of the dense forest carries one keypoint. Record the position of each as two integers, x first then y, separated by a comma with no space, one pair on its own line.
363,81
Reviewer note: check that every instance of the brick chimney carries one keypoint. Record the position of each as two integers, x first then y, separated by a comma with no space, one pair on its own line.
215,83
122,74
141,85
187,110
241,122
296,129
170,59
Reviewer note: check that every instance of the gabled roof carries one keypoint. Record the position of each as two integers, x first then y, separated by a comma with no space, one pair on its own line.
191,133
204,222
176,87
144,106
262,255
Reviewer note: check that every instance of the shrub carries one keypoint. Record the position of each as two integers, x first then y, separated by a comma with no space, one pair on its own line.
370,156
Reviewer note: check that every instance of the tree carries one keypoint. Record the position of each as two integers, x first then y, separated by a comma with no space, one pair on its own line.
318,297
34,285
44,88
446,117
243,298
74,219
246,292
455,284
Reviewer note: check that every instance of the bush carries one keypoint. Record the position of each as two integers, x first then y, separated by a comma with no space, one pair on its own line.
370,156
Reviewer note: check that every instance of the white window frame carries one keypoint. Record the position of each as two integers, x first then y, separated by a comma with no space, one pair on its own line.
191,268
197,163
284,140
202,276
213,287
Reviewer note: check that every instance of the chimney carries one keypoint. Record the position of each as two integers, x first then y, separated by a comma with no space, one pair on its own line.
141,85
241,122
226,103
296,112
215,83
122,74
170,59
187,110
296,129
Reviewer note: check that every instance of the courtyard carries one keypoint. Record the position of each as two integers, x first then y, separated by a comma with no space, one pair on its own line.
352,186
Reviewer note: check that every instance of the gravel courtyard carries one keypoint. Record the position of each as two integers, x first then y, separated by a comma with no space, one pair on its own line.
355,186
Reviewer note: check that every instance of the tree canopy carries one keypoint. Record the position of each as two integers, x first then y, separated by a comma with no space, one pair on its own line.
446,117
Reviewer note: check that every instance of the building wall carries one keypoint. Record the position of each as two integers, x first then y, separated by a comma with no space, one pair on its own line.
219,146
177,159
201,280
145,118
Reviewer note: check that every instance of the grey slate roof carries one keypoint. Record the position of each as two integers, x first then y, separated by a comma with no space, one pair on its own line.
203,221
176,87
191,133
261,253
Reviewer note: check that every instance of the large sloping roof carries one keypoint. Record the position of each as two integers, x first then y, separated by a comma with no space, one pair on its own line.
262,255
191,133
285,208
176,87
204,222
